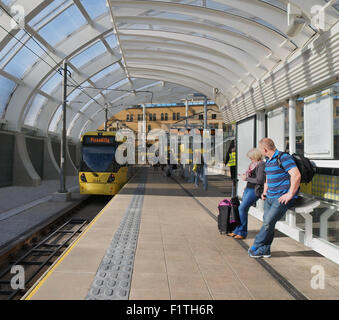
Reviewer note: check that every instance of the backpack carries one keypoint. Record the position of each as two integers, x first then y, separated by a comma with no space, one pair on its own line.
304,165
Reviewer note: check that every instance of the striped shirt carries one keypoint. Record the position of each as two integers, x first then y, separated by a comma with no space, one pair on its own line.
278,179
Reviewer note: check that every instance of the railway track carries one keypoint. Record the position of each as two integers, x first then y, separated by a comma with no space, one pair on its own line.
22,267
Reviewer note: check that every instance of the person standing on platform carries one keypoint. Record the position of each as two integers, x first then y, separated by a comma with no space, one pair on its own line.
280,192
232,163
255,177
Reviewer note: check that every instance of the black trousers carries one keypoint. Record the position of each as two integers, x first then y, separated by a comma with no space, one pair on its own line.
233,172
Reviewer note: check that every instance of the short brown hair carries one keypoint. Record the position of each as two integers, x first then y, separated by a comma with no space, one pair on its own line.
267,143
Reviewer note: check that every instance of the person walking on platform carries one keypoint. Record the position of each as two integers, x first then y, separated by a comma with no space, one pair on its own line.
200,171
280,192
255,177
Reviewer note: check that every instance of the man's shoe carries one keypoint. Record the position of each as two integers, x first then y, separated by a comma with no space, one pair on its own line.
257,254
231,234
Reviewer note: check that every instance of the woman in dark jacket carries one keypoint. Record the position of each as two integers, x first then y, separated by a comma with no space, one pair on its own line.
255,177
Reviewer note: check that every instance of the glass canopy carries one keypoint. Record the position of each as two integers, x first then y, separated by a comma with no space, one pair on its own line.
116,48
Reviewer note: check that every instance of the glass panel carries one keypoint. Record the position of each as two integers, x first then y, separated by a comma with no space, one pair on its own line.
7,2
63,25
95,8
88,54
112,41
34,110
105,72
52,9
55,120
116,85
86,106
73,95
24,59
13,45
52,83
7,86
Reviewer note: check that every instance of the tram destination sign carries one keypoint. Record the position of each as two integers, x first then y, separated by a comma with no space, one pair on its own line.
97,140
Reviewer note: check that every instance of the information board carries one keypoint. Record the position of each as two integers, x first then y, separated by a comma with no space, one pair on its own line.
318,125
276,127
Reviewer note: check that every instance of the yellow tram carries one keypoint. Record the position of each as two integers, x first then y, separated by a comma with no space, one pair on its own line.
99,172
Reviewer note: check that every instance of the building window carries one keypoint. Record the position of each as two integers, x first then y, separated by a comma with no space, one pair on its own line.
162,117
139,117
150,117
174,116
127,118
214,116
154,117
166,116
201,117
178,116
131,118
149,127
337,111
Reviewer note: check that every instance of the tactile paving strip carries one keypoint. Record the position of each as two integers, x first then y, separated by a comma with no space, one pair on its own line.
114,275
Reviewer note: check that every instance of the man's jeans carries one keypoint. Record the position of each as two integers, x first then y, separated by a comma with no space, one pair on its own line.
273,212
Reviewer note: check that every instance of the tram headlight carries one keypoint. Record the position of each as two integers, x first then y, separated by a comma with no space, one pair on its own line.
111,178
83,178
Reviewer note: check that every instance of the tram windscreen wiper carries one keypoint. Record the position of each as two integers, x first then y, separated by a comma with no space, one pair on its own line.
89,169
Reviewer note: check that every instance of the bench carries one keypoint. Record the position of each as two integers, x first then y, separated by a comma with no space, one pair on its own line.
305,206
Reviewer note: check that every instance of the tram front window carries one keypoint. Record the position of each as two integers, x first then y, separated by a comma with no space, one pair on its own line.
98,158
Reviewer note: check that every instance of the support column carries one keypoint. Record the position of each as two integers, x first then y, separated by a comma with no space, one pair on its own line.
186,114
106,116
205,180
142,138
63,194
292,125
260,126
324,222
205,112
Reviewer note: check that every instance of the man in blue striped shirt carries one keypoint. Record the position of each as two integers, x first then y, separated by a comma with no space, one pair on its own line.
280,191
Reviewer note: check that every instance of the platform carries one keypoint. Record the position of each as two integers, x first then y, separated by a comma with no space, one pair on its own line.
25,210
158,239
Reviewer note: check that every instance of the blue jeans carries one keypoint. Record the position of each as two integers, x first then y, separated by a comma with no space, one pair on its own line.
200,174
273,212
248,199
